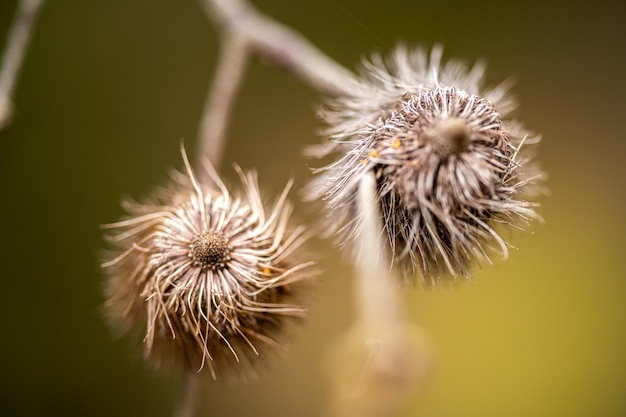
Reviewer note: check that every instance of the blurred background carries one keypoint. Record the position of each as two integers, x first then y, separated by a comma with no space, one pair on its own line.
109,88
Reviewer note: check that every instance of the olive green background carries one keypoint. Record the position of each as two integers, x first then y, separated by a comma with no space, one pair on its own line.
108,90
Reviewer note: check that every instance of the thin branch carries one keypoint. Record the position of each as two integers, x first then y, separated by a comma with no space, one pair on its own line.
378,299
187,394
17,43
280,44
382,357
245,31
220,99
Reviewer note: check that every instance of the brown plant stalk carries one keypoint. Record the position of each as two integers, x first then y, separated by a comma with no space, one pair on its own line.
17,43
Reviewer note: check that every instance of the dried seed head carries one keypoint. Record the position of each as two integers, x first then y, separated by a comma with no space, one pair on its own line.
211,277
448,136
448,164
209,251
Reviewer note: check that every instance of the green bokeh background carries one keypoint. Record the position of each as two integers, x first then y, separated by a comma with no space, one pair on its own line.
110,87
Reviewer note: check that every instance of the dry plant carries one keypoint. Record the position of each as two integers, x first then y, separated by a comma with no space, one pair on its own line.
210,277
428,166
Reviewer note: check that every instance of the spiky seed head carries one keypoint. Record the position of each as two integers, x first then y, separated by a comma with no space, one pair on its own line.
449,163
210,276
209,251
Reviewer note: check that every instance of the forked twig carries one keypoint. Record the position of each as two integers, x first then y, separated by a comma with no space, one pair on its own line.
245,31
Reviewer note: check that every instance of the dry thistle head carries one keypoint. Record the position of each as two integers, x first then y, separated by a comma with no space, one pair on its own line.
449,164
211,277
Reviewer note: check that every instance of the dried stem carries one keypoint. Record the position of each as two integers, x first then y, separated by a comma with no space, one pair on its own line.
377,290
245,31
17,43
280,44
220,99
382,356
187,394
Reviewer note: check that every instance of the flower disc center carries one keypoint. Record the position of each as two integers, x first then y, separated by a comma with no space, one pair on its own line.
209,250
450,136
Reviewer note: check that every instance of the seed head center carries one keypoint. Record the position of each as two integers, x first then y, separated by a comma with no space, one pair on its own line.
210,251
450,136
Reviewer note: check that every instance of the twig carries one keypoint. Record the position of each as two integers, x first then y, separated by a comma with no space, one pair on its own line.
220,99
282,45
377,293
187,394
245,31
17,43
382,356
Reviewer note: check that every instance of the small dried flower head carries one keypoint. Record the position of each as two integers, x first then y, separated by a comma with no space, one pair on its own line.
449,164
210,277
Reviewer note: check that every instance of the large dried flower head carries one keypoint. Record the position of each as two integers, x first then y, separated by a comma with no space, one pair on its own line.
211,277
449,164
